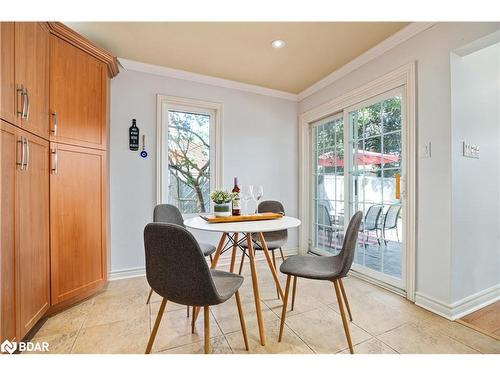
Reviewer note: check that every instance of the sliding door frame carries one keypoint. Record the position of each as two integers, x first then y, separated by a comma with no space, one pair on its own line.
403,77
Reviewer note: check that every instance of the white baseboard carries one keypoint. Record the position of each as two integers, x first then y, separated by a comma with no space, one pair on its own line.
127,273
462,307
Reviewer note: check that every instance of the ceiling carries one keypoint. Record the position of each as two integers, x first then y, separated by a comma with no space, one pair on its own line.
241,51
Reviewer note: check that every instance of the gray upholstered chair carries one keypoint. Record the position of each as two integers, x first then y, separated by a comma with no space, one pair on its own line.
167,213
331,268
274,240
176,269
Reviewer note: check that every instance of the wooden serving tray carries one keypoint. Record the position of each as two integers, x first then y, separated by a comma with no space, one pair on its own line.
233,219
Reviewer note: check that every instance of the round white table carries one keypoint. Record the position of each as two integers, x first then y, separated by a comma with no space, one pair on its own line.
247,228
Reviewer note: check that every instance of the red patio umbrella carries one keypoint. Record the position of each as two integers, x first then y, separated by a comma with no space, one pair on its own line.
329,159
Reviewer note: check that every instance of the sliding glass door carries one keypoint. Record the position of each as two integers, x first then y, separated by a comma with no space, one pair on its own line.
359,167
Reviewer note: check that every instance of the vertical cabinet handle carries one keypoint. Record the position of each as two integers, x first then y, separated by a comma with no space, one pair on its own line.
27,153
20,94
20,141
54,123
27,101
55,160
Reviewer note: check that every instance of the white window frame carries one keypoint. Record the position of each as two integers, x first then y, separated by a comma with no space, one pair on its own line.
404,78
164,103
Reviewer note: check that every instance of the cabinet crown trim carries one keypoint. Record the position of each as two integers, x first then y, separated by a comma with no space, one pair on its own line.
64,32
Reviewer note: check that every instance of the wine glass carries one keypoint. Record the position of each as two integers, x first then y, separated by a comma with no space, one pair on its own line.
247,196
258,192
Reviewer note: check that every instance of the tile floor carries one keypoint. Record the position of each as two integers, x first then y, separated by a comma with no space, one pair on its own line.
117,320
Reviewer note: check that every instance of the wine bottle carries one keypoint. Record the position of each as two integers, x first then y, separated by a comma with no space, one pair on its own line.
236,199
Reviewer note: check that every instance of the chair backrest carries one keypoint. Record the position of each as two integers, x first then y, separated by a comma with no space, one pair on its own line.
276,207
167,213
350,242
176,268
391,216
372,217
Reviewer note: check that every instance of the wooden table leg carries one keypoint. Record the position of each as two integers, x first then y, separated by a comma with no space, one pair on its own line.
270,264
255,285
219,250
233,254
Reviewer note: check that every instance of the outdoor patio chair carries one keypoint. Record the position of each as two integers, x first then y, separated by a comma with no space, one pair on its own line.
391,220
371,222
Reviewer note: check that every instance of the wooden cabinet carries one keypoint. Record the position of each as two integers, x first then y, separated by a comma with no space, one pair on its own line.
25,80
9,151
78,93
78,220
25,289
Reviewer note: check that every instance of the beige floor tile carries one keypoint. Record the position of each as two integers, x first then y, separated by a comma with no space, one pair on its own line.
175,330
371,346
58,343
218,345
413,338
115,309
123,337
291,343
67,321
228,319
466,335
323,331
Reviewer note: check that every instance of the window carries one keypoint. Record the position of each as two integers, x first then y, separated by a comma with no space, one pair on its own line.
188,161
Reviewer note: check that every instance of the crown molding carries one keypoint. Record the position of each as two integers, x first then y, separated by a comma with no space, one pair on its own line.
201,78
64,32
387,44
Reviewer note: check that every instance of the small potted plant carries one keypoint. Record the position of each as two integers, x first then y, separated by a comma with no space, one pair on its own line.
222,202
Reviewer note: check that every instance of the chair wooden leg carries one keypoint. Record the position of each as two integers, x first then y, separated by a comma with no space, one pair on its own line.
241,264
242,319
149,296
282,256
211,258
344,296
196,311
156,326
283,310
294,290
342,314
206,313
274,264
187,311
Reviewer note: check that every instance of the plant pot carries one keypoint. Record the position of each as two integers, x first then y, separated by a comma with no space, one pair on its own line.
222,209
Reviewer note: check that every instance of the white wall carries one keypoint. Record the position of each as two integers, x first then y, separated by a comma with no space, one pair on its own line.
475,242
431,50
260,146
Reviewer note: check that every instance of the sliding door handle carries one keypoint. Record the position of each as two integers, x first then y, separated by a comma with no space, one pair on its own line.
55,160
54,123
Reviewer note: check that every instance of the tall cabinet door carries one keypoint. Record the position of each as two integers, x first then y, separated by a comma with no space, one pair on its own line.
32,75
77,96
33,233
7,79
78,225
10,155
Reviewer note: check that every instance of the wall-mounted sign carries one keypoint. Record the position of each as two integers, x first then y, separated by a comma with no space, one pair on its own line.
133,135
144,153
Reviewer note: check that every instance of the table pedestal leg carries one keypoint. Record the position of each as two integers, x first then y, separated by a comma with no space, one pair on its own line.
255,285
270,264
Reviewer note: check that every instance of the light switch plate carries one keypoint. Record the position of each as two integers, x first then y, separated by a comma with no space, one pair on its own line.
425,150
470,150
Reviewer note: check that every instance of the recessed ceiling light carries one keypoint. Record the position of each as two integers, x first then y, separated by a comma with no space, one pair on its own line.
278,43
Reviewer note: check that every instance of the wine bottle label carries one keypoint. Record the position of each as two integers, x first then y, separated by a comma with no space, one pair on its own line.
236,202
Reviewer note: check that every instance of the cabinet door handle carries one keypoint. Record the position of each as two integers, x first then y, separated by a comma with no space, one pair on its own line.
55,160
20,141
20,94
27,146
27,101
54,123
